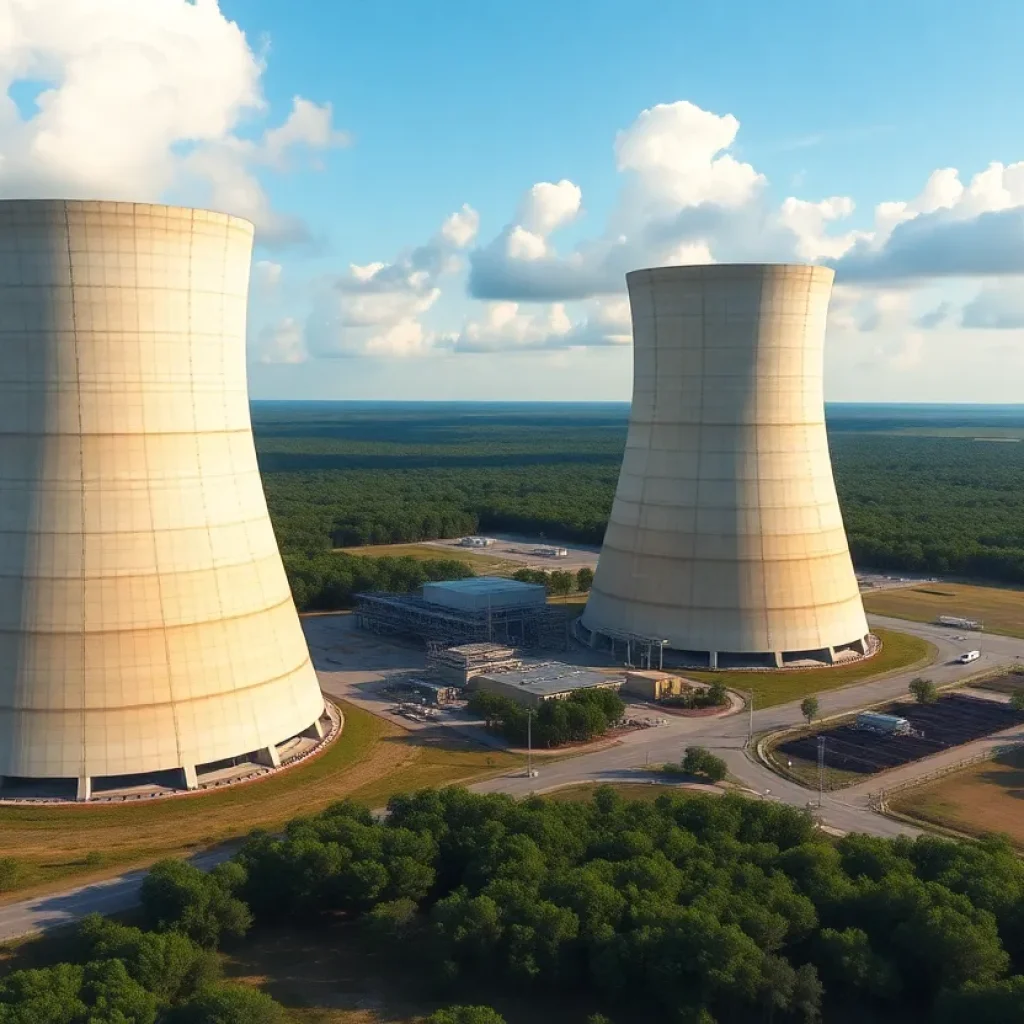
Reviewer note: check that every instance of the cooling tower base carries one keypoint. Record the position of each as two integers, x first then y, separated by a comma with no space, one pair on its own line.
647,652
177,781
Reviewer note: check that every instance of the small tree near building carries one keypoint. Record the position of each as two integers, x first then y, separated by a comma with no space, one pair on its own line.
717,695
584,579
809,709
562,583
1017,700
924,691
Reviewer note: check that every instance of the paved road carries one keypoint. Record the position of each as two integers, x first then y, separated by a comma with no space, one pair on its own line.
845,811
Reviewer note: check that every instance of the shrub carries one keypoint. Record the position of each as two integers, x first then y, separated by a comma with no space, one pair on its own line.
702,763
10,873
466,1015
177,895
168,964
924,691
101,992
229,1004
809,708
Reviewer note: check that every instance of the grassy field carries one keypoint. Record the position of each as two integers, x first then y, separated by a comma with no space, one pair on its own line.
645,792
489,565
980,799
1007,682
371,761
806,772
1000,609
899,651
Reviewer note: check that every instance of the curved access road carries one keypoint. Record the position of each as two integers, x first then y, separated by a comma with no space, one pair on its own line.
846,811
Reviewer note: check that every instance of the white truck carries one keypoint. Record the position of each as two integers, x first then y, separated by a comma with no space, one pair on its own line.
968,656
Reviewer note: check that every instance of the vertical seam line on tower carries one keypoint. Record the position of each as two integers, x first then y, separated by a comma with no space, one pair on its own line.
757,463
691,600
81,472
159,575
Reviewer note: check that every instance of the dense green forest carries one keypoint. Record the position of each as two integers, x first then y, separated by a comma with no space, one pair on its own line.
692,910
340,475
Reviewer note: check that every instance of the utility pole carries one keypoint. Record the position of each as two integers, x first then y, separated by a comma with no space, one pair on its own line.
529,743
821,768
750,718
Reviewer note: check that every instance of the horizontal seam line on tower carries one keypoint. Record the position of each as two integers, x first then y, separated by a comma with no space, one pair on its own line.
726,609
122,433
732,560
80,631
129,533
109,708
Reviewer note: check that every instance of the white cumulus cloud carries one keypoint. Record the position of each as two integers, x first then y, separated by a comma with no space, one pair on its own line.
143,101
374,309
685,197
996,306
281,342
546,206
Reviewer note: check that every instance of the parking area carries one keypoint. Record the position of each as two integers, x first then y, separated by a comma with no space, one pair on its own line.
381,675
954,719
532,553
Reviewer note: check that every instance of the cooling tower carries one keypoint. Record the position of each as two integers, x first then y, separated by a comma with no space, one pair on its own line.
145,620
725,538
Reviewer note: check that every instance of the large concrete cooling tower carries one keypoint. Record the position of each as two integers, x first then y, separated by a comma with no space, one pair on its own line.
145,619
725,538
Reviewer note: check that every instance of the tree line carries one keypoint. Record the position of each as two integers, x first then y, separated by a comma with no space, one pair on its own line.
328,581
688,909
944,505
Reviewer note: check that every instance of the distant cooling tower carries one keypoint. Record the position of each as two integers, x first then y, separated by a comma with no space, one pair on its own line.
145,620
725,539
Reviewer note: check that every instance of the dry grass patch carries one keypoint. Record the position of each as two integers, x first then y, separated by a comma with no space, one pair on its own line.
1000,609
330,976
645,792
978,800
482,565
371,761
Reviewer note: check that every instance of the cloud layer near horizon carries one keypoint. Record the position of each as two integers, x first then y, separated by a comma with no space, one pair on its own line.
163,101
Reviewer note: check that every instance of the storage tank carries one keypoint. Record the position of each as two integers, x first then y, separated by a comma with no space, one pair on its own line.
146,623
725,536
875,721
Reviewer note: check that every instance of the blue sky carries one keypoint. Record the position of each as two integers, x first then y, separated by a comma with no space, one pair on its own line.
417,112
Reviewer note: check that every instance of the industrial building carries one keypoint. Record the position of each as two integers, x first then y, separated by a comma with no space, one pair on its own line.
655,685
550,680
458,665
725,542
147,630
481,609
433,692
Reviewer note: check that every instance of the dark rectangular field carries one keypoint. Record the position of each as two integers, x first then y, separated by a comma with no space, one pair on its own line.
952,720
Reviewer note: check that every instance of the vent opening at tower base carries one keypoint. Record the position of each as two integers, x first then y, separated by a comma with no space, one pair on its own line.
169,782
640,651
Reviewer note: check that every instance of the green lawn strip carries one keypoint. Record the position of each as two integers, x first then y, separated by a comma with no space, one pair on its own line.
900,651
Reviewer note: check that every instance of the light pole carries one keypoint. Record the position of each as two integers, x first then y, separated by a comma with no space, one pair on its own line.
750,718
529,743
821,768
